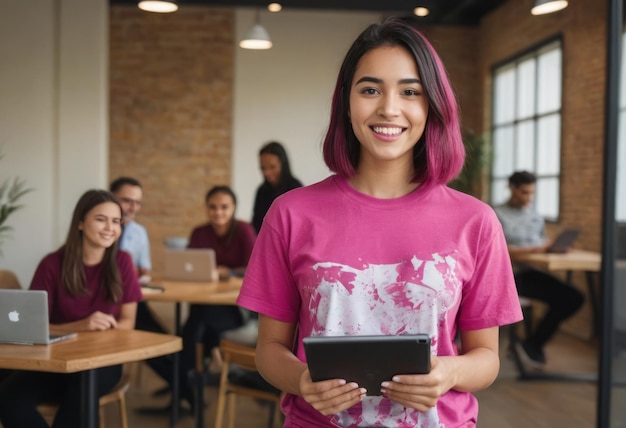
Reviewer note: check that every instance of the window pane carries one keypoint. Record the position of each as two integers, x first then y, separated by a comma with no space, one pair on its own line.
503,151
525,146
549,145
622,86
549,84
499,191
620,197
547,198
526,88
504,96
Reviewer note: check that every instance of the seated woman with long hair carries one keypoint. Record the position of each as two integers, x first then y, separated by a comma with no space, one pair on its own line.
91,286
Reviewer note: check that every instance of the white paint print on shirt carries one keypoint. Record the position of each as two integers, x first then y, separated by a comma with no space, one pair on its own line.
403,298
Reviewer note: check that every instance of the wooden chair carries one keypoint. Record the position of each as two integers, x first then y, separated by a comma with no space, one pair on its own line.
117,395
8,280
243,356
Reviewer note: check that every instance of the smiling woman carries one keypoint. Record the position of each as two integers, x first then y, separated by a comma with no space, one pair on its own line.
91,286
384,247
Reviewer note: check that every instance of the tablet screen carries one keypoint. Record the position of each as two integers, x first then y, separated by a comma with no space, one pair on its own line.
367,360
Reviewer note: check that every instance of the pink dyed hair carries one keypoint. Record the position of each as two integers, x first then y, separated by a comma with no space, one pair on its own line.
439,154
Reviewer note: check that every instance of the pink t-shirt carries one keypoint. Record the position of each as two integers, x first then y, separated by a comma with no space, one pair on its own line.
63,308
339,262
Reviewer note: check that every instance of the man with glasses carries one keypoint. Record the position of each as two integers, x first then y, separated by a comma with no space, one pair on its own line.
135,241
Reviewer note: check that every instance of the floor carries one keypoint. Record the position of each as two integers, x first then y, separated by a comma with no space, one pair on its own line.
508,403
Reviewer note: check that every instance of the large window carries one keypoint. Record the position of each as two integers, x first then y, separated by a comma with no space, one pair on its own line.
526,128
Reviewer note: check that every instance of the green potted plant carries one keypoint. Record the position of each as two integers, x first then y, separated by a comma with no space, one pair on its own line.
11,190
476,161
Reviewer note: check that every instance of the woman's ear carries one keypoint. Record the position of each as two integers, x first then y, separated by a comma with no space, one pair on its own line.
80,226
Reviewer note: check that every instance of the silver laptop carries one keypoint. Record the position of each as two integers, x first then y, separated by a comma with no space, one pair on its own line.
24,318
190,265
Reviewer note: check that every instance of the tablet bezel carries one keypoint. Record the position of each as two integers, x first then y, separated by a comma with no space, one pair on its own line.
367,360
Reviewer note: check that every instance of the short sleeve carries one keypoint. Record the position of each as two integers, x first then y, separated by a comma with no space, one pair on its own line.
130,282
268,286
490,296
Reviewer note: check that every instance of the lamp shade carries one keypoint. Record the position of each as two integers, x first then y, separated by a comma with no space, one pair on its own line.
159,6
256,38
548,6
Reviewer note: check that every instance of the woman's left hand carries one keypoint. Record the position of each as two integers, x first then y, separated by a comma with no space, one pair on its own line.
422,391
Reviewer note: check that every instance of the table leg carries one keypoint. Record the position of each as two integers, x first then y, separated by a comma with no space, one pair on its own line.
175,392
177,326
89,405
594,301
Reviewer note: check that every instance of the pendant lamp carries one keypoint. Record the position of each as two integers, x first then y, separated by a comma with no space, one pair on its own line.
159,6
257,37
548,6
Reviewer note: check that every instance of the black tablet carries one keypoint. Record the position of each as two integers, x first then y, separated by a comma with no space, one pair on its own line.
367,360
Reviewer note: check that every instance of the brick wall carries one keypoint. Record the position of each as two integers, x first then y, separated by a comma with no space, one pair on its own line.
171,84
511,29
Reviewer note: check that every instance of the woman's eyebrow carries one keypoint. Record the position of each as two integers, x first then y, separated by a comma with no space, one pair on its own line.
379,81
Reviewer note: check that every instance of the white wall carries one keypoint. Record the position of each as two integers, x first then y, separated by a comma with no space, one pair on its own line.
54,107
53,117
284,93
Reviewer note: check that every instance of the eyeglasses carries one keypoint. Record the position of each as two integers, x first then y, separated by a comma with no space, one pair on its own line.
130,201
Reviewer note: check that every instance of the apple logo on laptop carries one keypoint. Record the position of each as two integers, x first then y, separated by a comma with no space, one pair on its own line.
188,267
14,316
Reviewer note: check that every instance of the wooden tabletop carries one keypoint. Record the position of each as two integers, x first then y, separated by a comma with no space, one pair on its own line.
208,293
572,261
89,350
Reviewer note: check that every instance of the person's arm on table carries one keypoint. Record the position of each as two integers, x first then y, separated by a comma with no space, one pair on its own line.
101,321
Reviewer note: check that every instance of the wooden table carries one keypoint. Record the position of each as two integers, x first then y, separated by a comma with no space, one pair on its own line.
575,260
223,292
89,351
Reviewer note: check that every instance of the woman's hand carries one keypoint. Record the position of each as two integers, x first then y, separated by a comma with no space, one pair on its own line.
421,392
98,321
330,396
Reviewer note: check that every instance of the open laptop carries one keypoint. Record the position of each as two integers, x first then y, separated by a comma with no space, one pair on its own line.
564,241
24,318
190,265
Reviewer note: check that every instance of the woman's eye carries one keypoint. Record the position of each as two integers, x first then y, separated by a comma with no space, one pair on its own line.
411,92
370,91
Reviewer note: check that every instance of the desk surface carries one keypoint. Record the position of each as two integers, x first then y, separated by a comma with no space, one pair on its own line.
89,350
208,293
588,261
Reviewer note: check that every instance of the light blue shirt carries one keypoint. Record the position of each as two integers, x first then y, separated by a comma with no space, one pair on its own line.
523,227
135,242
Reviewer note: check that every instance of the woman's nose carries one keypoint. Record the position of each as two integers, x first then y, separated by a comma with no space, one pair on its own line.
389,106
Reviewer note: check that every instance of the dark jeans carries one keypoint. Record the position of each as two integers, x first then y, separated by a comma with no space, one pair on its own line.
562,299
205,324
22,391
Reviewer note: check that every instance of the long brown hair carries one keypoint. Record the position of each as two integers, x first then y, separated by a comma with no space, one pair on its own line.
73,270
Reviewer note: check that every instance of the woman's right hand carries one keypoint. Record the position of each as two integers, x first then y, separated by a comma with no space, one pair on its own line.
330,396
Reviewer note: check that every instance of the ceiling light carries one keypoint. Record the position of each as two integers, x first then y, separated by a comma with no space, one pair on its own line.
257,37
421,11
548,6
274,7
160,6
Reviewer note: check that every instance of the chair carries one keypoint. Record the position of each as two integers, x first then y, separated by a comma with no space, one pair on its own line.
117,394
242,356
8,280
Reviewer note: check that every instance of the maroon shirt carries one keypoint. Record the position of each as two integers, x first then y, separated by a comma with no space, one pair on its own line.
232,253
63,308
